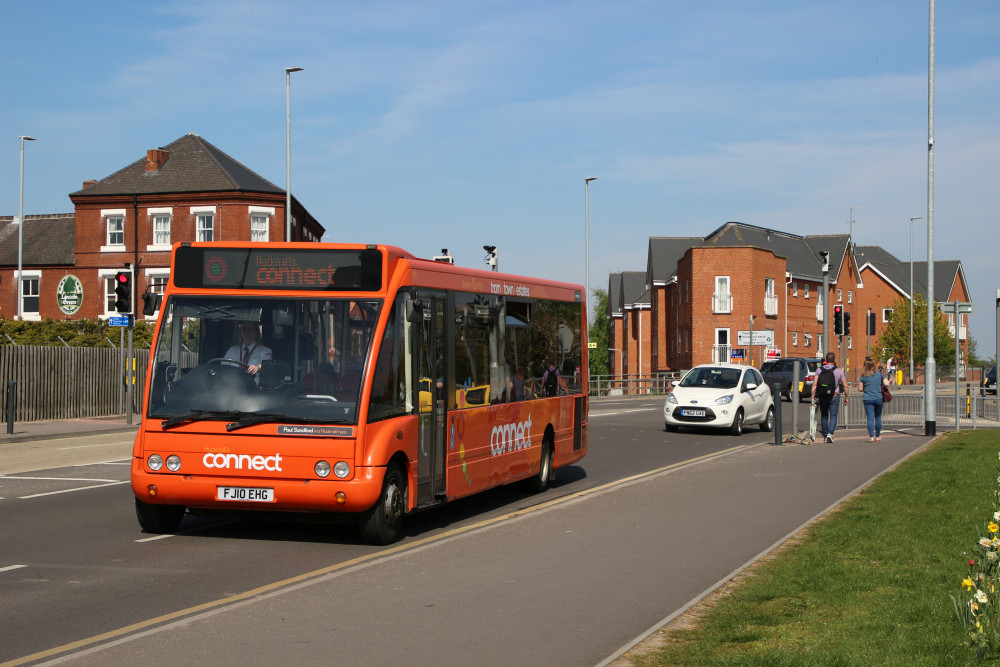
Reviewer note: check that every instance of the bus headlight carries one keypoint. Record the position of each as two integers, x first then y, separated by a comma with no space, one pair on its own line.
173,463
155,462
322,468
341,469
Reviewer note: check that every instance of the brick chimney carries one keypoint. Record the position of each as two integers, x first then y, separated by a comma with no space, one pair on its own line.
156,158
88,183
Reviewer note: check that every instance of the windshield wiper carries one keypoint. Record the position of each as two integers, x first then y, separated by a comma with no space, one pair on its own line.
254,418
196,415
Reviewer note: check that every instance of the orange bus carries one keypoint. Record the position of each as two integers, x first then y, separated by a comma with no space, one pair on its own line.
340,381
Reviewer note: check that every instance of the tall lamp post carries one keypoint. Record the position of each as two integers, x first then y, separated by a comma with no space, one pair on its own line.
911,297
20,237
288,150
586,213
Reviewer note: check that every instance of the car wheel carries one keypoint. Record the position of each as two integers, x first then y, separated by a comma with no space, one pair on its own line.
737,427
768,424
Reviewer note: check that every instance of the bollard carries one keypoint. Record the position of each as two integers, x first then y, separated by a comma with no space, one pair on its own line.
11,404
776,392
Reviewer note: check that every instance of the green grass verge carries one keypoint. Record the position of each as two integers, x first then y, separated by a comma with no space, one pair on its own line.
871,583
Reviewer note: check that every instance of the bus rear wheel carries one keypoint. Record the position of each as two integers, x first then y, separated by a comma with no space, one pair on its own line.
382,522
158,518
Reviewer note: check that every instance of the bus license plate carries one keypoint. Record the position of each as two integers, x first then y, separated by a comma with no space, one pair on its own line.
246,494
693,413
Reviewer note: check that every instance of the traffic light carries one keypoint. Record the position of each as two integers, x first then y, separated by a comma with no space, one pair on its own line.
838,320
124,292
847,324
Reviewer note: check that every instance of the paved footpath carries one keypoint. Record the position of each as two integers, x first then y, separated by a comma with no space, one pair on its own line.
575,581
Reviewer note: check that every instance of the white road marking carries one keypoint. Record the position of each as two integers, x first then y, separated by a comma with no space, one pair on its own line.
11,567
60,479
82,488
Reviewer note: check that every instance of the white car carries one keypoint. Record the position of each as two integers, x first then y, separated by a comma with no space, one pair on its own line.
720,396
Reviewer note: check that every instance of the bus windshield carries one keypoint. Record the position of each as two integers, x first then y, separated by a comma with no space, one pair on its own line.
253,360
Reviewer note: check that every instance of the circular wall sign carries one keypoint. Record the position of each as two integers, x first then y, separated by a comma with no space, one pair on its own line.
69,294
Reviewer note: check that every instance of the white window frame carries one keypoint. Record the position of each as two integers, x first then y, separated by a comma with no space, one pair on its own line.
850,296
201,213
106,278
154,214
840,295
850,342
887,315
106,215
795,289
806,288
806,339
265,234
795,339
33,276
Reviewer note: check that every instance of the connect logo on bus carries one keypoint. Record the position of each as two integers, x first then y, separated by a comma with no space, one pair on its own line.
510,437
243,461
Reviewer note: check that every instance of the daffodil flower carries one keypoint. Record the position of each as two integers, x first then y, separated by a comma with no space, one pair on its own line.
981,597
967,584
993,527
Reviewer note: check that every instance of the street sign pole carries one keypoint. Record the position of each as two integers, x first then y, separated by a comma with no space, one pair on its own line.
129,376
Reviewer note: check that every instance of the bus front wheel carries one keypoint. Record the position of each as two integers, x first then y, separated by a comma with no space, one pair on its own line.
382,522
543,478
158,518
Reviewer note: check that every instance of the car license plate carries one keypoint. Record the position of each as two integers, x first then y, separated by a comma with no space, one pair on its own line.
692,413
246,494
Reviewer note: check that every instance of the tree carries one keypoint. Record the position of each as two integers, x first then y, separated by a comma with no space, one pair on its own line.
600,333
895,339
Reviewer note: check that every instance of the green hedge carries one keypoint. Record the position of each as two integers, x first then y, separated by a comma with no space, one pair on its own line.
75,333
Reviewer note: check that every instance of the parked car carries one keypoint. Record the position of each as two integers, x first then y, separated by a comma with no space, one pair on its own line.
720,396
989,383
780,371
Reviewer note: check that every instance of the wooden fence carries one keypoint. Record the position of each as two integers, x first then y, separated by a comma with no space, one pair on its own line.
68,382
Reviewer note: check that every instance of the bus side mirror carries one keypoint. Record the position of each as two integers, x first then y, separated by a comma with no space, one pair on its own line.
414,310
151,303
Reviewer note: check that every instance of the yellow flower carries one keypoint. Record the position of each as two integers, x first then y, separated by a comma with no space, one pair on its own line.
967,584
993,527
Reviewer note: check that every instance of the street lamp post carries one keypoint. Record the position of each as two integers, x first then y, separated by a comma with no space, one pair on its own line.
911,297
288,150
586,213
20,237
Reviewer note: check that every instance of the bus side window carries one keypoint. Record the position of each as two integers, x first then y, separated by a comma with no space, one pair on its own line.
387,398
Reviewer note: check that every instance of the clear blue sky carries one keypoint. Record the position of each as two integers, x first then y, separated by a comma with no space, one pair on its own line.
434,125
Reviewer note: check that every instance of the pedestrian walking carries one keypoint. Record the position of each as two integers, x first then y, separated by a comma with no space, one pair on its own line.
829,383
871,386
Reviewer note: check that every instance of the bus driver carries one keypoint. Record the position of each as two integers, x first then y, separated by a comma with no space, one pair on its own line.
249,351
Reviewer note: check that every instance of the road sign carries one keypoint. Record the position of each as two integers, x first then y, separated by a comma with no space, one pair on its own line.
772,353
962,306
762,337
736,353
118,321
591,346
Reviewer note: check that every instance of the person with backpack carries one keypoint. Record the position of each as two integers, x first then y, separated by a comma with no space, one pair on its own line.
550,380
826,393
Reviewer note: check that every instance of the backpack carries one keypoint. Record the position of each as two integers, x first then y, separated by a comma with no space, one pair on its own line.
826,383
551,385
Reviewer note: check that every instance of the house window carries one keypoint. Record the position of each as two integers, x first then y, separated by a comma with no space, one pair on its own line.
722,300
161,229
258,227
795,339
850,296
29,294
109,295
116,230
887,314
850,343
840,295
806,289
795,289
205,226
806,339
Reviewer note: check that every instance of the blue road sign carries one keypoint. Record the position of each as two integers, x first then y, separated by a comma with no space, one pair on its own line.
118,321
736,353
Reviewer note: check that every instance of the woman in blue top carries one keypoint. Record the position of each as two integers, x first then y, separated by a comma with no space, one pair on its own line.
871,384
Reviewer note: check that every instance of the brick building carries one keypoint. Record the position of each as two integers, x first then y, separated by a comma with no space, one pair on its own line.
697,293
188,190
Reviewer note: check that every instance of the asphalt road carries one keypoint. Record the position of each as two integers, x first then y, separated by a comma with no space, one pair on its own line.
644,525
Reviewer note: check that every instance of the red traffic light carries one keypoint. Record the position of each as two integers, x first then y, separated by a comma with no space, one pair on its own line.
122,277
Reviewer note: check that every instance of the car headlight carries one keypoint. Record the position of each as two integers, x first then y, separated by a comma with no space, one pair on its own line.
671,399
173,463
155,462
723,400
341,469
322,469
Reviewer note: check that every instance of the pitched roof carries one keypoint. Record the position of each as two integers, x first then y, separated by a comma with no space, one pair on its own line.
635,291
665,252
897,273
193,165
614,295
46,240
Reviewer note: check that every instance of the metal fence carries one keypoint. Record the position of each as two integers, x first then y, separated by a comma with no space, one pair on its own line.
633,385
68,382
907,410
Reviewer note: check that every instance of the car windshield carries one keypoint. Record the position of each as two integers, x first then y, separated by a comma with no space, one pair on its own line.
712,377
250,360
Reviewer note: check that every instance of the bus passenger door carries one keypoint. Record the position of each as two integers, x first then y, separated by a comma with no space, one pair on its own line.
430,376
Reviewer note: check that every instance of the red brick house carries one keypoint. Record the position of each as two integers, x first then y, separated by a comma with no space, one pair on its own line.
188,190
698,293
